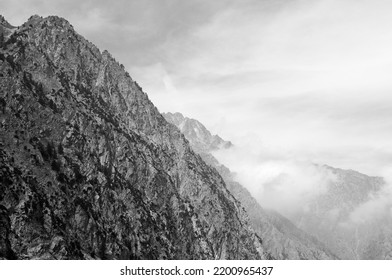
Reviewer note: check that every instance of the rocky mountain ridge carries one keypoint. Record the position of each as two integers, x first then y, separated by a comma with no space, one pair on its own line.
325,228
91,170
328,217
281,238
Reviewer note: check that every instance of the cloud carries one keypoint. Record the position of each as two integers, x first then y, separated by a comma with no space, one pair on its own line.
283,181
378,206
309,75
278,180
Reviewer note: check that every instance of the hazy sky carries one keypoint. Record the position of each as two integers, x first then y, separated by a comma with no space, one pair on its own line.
301,80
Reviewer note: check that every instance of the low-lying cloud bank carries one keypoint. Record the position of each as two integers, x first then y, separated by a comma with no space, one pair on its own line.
378,206
283,184
289,185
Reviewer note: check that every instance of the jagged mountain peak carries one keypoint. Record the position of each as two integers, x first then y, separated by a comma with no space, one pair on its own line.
199,136
33,19
6,30
54,21
5,23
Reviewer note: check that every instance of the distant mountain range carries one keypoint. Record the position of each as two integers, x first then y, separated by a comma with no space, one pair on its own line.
330,218
325,228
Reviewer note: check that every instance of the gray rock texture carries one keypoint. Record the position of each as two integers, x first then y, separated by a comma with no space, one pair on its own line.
89,169
197,134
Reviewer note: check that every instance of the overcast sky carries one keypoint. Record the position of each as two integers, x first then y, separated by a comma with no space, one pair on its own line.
292,79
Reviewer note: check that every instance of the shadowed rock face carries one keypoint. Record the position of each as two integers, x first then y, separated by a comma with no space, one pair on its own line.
90,169
281,238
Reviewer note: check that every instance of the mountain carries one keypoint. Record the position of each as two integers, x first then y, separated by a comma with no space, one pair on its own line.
349,216
5,26
196,133
337,223
89,168
281,238
5,30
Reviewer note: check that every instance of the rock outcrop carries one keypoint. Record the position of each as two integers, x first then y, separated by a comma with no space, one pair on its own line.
197,134
89,169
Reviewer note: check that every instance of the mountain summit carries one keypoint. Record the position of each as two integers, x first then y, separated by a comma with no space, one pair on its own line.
4,23
5,30
91,170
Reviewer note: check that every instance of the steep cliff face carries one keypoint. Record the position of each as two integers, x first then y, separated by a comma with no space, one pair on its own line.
90,169
281,238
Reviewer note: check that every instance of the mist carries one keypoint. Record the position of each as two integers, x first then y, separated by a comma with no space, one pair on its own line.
283,182
277,180
378,207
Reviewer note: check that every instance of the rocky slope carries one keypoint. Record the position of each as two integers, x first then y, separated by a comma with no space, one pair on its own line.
90,169
281,238
6,30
